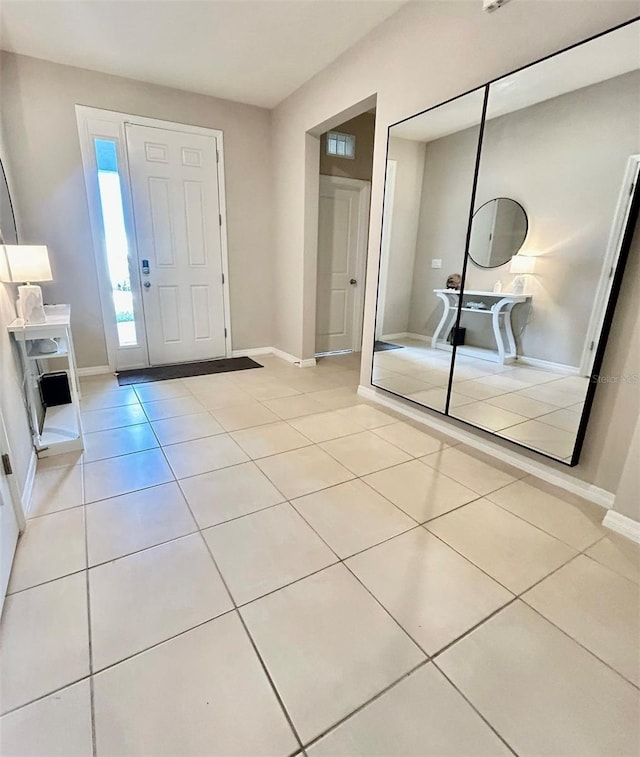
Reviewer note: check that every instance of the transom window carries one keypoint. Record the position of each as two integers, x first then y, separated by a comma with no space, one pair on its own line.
341,145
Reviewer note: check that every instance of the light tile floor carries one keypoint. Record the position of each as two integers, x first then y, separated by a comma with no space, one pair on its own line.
538,408
259,563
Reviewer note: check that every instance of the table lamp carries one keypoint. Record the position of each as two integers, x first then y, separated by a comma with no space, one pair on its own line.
522,265
26,263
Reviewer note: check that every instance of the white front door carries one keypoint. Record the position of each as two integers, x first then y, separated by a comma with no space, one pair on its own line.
176,208
342,235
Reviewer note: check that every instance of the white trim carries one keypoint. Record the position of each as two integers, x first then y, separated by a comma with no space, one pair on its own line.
95,370
306,363
92,123
609,264
12,502
100,370
406,335
18,500
548,365
622,524
364,210
29,483
562,480
385,243
253,351
116,121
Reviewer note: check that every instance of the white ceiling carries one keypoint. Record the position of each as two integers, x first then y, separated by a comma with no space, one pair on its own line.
607,56
252,51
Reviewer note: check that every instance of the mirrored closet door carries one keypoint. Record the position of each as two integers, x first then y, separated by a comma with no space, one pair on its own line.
507,219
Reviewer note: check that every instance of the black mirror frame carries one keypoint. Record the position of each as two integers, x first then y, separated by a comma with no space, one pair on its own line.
618,274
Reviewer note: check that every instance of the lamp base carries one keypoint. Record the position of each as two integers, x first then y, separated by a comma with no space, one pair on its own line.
30,307
518,285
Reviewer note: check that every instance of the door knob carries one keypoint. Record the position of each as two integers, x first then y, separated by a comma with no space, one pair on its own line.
353,282
147,284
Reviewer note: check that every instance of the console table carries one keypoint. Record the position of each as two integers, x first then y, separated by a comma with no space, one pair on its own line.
62,427
502,303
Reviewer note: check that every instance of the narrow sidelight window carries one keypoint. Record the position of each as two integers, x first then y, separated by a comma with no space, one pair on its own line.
115,237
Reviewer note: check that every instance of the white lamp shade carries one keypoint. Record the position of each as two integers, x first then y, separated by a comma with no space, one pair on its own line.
522,264
27,262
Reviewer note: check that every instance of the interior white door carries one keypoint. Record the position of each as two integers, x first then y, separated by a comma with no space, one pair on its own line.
341,240
8,540
9,526
176,206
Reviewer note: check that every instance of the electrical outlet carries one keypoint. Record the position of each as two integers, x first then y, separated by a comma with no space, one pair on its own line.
436,263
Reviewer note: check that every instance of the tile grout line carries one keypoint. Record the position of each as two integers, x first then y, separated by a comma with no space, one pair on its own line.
239,615
112,665
89,630
373,546
341,561
334,726
253,645
475,709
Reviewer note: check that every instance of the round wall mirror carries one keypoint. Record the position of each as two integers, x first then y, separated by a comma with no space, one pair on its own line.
498,230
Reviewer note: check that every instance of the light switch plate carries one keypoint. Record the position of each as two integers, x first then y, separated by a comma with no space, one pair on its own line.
436,263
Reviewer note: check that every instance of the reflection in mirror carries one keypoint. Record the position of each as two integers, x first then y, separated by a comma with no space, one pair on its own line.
430,168
498,231
563,137
8,232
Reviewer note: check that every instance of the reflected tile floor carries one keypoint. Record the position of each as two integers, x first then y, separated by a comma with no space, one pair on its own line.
533,406
259,563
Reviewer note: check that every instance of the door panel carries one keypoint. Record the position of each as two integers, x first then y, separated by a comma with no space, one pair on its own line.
338,242
177,216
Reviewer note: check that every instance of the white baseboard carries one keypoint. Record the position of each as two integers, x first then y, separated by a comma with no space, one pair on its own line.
27,491
406,335
307,363
94,370
570,370
98,370
569,483
399,335
532,361
622,524
251,352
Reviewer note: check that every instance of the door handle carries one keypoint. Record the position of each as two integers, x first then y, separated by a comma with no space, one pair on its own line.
147,285
353,282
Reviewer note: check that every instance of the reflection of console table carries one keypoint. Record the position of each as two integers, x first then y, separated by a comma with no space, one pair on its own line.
500,312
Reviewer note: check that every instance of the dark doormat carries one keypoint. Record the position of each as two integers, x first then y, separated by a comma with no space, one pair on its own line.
382,346
184,370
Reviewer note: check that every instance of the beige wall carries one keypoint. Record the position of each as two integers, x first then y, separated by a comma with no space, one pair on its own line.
423,55
628,495
544,157
39,101
360,167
